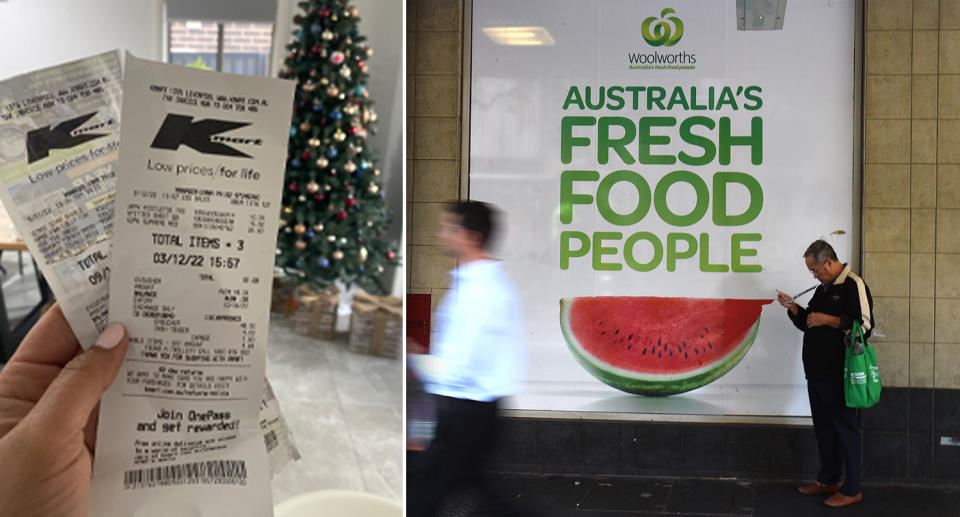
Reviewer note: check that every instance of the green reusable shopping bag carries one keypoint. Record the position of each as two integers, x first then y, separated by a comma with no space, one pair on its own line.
861,375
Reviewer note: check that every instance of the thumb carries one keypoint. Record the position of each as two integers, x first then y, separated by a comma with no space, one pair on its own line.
75,392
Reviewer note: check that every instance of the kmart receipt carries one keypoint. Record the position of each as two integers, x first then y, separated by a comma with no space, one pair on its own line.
59,136
197,204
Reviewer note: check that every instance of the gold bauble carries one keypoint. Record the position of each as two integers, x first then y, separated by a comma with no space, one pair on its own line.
308,86
373,188
305,126
314,142
313,73
369,52
362,255
287,210
376,172
300,245
369,224
339,136
365,69
326,187
332,238
337,255
322,162
332,91
324,81
333,17
349,166
353,11
318,227
313,187
345,72
299,229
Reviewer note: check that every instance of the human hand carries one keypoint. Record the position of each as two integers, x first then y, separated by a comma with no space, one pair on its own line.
787,302
819,319
49,396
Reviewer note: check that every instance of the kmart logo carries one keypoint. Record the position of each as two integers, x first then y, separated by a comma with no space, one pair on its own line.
667,31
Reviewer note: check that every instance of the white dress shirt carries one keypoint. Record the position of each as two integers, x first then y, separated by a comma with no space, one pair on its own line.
480,353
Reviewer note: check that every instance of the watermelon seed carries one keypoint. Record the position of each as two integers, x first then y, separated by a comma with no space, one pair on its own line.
671,353
616,332
659,354
603,332
644,351
701,336
685,355
658,341
710,345
629,347
631,337
706,330
600,324
684,344
696,351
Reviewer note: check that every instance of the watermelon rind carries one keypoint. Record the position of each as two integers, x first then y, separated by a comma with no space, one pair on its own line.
652,384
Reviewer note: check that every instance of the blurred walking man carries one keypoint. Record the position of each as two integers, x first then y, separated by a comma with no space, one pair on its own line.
841,299
478,359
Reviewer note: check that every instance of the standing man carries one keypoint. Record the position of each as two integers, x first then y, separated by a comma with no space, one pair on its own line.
841,299
478,359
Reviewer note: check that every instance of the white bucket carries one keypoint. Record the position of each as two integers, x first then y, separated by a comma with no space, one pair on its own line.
338,503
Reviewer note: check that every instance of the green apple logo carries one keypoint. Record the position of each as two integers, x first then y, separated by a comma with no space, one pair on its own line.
663,33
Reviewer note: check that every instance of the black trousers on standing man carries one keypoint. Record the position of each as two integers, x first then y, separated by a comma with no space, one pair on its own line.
838,435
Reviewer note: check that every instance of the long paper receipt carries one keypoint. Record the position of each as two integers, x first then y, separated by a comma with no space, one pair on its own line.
202,158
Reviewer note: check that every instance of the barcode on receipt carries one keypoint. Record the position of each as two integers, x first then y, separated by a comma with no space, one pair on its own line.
270,439
218,472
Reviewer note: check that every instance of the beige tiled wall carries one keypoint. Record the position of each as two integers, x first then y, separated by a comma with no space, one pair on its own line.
434,64
911,198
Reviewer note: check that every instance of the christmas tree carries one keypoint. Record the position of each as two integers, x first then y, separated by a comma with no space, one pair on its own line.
334,213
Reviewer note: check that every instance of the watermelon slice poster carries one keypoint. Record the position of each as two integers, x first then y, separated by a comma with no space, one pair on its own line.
661,173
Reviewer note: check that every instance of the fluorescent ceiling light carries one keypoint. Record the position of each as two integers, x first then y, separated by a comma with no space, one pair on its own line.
760,14
519,36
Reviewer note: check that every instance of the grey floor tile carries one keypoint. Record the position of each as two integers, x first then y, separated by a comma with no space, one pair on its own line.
344,411
702,496
633,495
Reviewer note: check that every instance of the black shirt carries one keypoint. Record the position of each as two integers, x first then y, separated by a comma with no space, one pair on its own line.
823,348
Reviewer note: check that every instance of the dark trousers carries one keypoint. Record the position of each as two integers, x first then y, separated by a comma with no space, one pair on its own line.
838,435
464,437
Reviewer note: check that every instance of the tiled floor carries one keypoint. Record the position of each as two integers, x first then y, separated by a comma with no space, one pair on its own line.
561,496
345,411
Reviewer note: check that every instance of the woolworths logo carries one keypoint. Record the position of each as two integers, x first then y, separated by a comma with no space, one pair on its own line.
663,33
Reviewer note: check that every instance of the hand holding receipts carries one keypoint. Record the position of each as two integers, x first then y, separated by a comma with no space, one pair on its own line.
48,392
